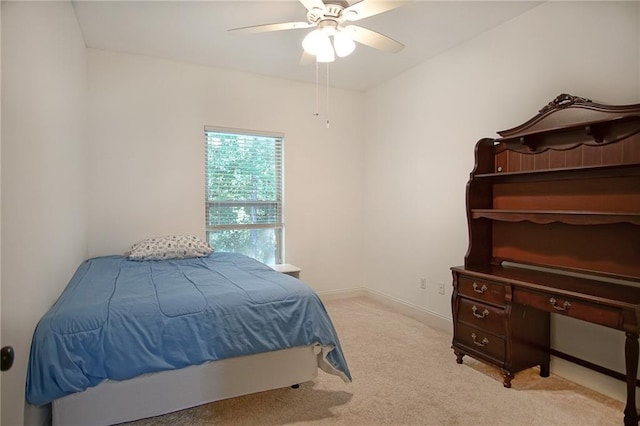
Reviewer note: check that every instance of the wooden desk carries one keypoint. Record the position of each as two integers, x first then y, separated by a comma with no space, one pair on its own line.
521,300
560,192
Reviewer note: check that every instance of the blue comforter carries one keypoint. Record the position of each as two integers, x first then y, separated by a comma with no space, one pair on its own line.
120,318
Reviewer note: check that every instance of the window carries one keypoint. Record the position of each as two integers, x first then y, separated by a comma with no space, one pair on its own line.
243,203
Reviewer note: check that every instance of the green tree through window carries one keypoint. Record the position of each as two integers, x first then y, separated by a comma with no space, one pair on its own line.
244,193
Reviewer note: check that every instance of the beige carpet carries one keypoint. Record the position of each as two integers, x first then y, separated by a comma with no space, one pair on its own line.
404,373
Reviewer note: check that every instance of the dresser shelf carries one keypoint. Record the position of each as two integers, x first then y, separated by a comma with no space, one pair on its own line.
563,216
572,173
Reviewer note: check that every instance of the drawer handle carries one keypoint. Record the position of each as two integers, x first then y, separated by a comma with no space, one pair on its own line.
565,306
481,290
484,313
483,342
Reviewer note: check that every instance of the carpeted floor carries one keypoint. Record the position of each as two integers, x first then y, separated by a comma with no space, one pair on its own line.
404,373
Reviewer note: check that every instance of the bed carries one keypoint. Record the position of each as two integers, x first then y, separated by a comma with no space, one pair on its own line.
129,339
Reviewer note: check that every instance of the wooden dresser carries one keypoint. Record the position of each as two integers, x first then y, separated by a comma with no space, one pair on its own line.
553,211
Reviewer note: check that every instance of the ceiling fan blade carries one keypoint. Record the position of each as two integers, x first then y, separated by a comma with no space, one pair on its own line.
365,8
313,4
271,27
374,39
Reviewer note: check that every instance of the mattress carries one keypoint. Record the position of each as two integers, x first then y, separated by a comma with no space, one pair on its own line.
118,319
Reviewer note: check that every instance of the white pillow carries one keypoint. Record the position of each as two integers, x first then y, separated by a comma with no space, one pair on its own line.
169,247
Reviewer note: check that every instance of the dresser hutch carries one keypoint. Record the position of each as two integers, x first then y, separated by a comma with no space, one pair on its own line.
553,212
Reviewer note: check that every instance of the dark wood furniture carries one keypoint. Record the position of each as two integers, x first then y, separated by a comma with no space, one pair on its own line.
553,210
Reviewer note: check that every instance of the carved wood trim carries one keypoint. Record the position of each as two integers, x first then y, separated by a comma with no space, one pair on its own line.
563,100
568,112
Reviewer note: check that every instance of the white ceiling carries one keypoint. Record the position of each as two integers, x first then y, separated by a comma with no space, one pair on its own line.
196,32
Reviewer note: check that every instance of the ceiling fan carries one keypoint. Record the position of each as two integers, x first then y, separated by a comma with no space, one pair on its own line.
330,19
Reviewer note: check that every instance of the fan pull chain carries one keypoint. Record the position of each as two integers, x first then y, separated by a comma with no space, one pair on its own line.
317,113
327,95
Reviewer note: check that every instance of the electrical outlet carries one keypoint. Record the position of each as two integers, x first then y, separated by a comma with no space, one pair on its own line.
441,287
423,283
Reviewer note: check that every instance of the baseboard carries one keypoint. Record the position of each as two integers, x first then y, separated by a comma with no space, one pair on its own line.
419,313
342,294
432,319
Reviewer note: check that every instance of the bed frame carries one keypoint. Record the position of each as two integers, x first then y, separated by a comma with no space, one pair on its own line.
160,393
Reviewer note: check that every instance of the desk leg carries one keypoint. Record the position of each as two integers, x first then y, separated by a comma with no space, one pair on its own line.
631,362
544,370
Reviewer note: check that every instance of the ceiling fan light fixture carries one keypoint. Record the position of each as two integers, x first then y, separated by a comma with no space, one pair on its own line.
315,41
326,54
343,44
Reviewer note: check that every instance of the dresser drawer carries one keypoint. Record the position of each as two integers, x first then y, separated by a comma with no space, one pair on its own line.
477,340
480,289
482,316
598,314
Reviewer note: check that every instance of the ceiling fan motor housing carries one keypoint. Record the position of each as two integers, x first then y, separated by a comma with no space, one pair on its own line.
331,11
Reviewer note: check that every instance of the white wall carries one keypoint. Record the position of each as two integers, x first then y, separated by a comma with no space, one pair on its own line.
44,234
422,127
146,120
1,345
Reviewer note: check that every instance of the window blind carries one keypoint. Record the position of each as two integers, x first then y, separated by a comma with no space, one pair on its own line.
243,180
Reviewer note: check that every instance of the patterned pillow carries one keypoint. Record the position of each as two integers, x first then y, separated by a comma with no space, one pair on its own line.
169,247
